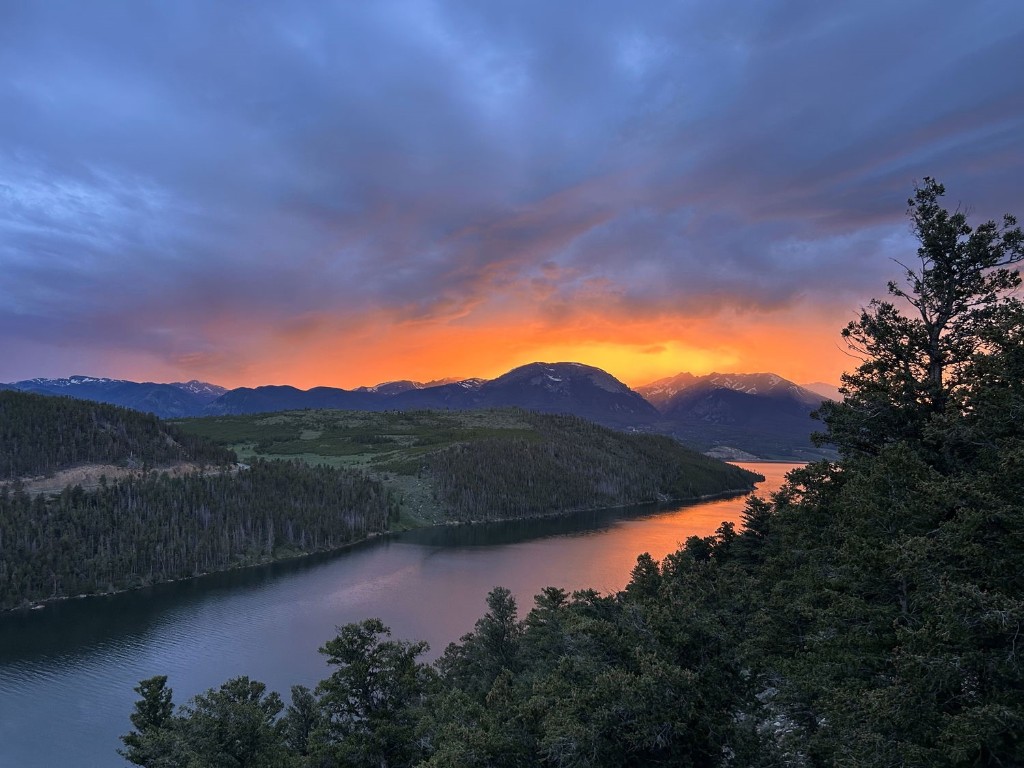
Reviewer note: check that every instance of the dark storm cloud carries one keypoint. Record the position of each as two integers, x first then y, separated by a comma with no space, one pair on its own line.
166,167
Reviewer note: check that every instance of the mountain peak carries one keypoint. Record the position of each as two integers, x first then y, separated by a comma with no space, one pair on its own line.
448,380
406,385
662,392
67,381
200,388
391,387
561,377
569,387
751,383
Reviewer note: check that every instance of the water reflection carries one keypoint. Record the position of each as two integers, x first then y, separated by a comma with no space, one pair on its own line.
67,671
515,531
85,625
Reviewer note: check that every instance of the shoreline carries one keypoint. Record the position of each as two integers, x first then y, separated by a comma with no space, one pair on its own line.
38,605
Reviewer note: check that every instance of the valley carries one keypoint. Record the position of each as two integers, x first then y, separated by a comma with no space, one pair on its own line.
147,501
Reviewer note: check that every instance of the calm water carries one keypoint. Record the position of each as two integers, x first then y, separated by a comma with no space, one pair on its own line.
67,671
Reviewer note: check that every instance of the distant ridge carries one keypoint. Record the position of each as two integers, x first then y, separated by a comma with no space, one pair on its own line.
659,392
739,414
200,389
581,390
404,385
735,415
829,391
570,388
566,387
164,400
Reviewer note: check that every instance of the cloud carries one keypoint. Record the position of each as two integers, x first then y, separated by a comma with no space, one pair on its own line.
192,184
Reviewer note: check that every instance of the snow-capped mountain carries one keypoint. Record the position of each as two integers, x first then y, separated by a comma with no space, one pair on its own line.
660,393
165,400
66,382
391,387
761,414
405,385
201,389
757,413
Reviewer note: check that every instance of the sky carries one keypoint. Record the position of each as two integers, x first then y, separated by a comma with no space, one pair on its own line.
344,193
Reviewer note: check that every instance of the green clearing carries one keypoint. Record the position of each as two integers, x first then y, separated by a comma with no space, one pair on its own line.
389,446
475,465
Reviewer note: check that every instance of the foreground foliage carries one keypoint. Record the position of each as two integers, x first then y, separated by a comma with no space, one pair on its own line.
870,614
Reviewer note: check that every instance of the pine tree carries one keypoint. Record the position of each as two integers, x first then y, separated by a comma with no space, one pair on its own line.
915,359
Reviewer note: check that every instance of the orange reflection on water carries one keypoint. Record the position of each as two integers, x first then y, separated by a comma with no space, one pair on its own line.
613,557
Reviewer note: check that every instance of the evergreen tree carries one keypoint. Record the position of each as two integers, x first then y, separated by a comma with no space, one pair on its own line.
301,720
234,726
915,363
369,702
152,743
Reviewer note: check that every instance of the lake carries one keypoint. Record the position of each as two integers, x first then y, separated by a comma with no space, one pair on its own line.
67,671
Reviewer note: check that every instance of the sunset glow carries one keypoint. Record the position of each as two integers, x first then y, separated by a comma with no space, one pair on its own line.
351,194
348,354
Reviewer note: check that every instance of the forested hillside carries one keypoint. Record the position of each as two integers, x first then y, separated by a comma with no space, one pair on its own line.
155,528
571,464
484,465
41,434
870,614
146,526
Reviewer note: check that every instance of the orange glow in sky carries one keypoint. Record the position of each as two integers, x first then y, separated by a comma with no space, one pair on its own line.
350,352
669,187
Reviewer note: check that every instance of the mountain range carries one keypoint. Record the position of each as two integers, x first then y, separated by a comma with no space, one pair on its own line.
175,400
738,416
730,414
